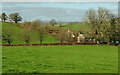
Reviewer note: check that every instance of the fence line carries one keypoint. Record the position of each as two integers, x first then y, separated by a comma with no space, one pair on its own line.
48,44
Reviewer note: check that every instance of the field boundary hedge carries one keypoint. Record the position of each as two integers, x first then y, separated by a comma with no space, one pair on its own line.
49,44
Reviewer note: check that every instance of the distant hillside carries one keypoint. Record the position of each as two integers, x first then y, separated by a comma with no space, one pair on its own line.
79,26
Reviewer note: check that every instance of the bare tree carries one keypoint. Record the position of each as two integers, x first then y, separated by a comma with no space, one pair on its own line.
60,24
7,35
26,34
26,25
63,35
41,31
36,24
91,19
105,22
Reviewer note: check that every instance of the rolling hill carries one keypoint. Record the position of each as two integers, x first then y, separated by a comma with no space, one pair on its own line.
34,37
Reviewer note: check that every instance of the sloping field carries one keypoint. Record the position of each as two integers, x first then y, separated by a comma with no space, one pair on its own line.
34,37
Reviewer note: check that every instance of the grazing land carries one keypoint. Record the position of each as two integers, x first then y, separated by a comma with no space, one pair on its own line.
80,26
76,26
60,59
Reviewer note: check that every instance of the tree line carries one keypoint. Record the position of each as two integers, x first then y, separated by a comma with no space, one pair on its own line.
16,17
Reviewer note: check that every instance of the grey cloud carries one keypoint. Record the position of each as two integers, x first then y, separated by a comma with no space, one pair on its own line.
60,14
30,13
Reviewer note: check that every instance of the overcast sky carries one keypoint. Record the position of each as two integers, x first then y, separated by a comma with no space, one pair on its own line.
60,11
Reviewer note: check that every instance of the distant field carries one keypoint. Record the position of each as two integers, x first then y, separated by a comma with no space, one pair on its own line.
77,26
60,59
80,26
35,39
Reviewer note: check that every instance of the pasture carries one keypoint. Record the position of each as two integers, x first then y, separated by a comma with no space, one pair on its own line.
60,59
78,26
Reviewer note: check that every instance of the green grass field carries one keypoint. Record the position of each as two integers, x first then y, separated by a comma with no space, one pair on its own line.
79,26
35,39
60,59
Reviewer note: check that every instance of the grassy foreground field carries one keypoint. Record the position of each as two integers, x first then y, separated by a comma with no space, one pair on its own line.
60,59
